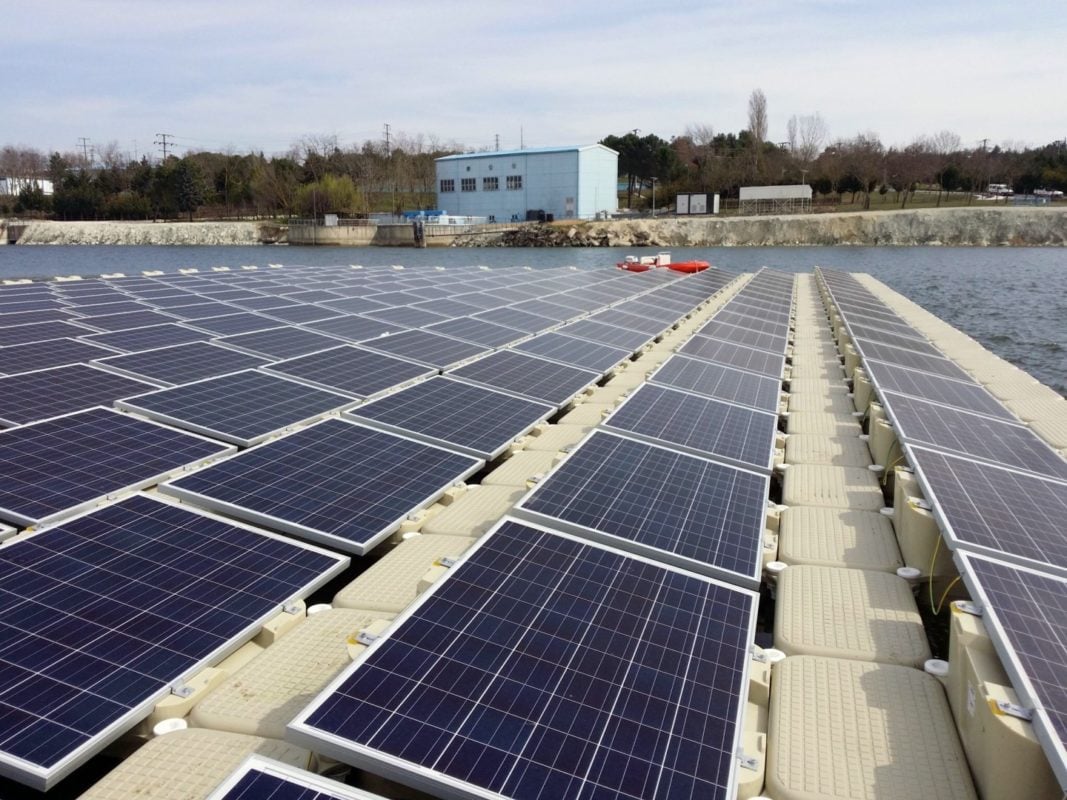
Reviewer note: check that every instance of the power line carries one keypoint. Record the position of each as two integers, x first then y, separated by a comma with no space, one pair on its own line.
83,142
163,144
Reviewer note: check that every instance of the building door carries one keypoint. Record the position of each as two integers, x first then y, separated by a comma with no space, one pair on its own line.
568,207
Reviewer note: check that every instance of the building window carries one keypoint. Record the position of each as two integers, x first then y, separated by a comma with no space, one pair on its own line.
490,184
448,185
514,181
468,184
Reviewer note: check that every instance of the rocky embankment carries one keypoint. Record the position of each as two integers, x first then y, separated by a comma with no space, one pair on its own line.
151,233
947,226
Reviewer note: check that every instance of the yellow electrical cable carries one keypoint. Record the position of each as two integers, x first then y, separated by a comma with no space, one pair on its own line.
944,594
930,580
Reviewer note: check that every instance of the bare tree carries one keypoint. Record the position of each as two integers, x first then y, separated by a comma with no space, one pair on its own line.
757,123
700,138
865,160
943,147
806,135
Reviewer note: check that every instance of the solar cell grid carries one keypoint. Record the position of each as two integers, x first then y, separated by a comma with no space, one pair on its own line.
547,309
351,370
528,376
922,422
306,312
258,778
723,331
40,332
1001,512
201,310
42,355
108,611
873,328
520,320
632,322
572,350
262,303
233,324
183,363
477,331
287,342
923,362
673,507
1025,612
700,425
903,342
761,362
544,667
406,316
431,349
110,307
967,396
719,381
604,333
335,482
472,419
243,408
30,317
656,311
753,319
354,328
54,467
125,321
39,395
154,336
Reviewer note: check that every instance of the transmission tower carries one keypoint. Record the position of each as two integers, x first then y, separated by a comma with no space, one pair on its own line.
162,143
83,143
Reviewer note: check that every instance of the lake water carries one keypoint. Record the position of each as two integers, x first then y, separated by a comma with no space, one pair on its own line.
1012,300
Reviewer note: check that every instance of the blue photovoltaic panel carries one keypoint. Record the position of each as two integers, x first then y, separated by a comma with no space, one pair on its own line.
353,328
262,303
475,420
571,350
477,331
426,348
923,385
353,305
606,334
108,611
352,370
232,324
30,317
201,310
1026,614
729,354
1001,512
39,332
921,422
749,338
286,342
923,362
543,667
182,364
520,320
698,424
242,408
631,322
259,778
33,396
736,315
55,466
396,298
336,482
718,381
42,355
454,309
151,338
125,321
670,506
903,342
302,313
529,376
406,316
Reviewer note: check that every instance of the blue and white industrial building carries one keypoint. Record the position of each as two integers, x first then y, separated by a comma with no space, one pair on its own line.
510,185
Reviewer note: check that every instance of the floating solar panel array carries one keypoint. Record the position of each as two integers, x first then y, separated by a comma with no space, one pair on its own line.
259,778
997,490
110,386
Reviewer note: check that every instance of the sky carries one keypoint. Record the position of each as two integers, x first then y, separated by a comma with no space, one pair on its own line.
239,75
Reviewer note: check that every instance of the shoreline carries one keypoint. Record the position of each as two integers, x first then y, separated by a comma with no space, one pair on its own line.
978,227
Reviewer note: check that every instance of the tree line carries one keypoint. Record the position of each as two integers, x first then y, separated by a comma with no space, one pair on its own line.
319,175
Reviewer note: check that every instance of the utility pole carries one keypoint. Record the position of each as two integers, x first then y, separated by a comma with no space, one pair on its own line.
522,141
83,143
498,142
392,177
984,142
163,144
